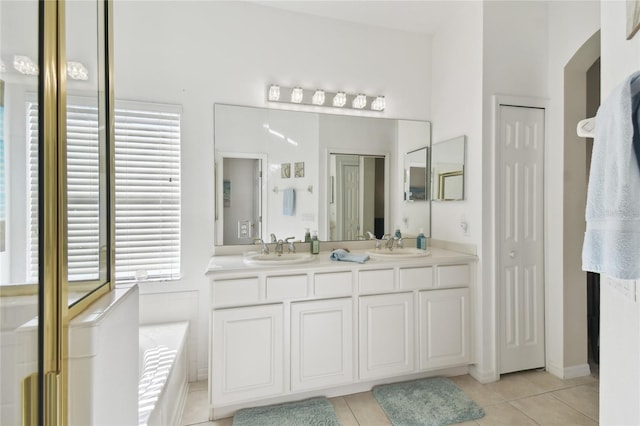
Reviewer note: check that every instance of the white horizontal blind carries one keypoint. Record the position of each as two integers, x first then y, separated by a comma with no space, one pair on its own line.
147,162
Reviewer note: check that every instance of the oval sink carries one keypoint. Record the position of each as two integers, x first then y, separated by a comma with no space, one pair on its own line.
273,259
398,253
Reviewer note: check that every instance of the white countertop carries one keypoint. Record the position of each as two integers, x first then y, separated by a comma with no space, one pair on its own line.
234,264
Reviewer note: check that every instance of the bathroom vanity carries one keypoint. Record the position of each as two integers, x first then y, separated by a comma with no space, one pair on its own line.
294,330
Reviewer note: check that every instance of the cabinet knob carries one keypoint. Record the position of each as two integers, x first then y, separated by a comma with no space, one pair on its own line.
512,254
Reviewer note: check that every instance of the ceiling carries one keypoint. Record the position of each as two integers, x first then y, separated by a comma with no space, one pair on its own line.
418,16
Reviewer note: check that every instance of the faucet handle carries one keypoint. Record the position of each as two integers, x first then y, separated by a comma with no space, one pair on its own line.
371,236
292,246
287,240
273,238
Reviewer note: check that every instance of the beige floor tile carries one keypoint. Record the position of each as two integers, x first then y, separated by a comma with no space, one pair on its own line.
545,380
504,414
196,409
198,386
345,416
514,386
478,392
366,410
547,410
583,398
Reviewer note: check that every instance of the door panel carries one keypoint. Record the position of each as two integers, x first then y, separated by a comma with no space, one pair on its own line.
520,191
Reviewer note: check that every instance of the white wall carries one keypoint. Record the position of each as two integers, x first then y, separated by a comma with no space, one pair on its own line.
619,316
199,53
571,24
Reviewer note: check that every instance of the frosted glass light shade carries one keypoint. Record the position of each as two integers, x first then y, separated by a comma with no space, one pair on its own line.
359,101
296,95
25,65
340,99
77,71
318,97
378,104
274,92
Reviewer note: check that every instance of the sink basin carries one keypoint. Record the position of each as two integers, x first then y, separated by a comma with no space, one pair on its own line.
403,253
274,259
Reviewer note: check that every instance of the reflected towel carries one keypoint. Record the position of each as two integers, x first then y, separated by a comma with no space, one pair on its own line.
341,254
289,202
612,237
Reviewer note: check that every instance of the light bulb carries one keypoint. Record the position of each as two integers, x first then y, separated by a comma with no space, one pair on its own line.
318,97
274,92
378,104
340,99
296,95
359,101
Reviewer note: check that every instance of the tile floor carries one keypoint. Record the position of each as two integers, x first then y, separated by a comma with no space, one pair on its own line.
525,398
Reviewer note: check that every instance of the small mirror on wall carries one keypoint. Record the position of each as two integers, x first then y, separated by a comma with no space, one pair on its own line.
416,175
447,169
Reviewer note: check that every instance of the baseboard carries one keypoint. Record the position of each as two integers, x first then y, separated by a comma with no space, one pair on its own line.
203,375
572,372
483,376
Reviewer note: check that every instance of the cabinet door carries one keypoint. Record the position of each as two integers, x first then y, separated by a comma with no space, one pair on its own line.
246,353
444,328
386,335
321,343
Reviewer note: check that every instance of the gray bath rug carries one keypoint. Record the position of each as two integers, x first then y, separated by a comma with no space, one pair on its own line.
310,412
428,402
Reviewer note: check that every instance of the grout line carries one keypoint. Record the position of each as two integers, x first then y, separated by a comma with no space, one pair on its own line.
575,409
523,413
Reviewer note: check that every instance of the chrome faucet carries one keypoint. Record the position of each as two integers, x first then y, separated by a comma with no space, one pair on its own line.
265,247
279,244
273,238
390,239
292,245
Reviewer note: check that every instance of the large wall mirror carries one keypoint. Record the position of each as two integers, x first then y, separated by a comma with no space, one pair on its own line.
282,172
448,162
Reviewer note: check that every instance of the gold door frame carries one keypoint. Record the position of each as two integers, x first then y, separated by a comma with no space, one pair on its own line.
54,313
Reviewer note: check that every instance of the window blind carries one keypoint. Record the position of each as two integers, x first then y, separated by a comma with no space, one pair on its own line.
147,179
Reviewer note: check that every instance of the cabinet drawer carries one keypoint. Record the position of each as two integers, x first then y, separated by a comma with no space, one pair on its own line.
376,281
333,284
286,287
235,292
453,276
416,278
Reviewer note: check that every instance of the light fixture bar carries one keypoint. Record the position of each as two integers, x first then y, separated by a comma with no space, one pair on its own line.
320,97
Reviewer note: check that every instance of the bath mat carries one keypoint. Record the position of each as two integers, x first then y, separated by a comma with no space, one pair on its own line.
428,402
310,412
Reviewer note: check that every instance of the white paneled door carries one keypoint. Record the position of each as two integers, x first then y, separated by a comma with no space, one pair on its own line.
520,237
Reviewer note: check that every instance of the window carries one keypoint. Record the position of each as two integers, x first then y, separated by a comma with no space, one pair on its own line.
147,168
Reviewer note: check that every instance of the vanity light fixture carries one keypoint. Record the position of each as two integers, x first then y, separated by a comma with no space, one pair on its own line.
77,71
297,95
318,97
324,98
340,99
359,101
274,92
25,65
378,104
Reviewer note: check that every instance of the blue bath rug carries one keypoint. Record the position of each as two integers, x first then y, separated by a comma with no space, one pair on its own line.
427,402
310,412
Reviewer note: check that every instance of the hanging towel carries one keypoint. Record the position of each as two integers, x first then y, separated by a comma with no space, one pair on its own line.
289,202
612,238
341,254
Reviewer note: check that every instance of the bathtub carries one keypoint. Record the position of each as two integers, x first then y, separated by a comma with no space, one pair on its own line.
163,379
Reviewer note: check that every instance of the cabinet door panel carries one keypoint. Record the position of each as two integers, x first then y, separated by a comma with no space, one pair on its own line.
247,353
321,343
416,278
286,287
444,328
386,335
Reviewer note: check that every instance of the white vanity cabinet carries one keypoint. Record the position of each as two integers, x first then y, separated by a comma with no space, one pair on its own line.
443,328
281,333
386,335
247,353
321,343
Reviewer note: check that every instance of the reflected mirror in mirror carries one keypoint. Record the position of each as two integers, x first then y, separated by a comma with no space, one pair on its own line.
416,165
297,152
447,162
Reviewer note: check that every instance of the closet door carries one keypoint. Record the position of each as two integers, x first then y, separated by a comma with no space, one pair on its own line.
520,233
